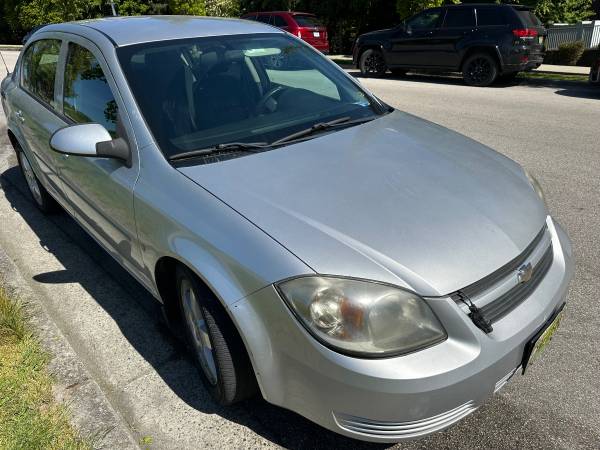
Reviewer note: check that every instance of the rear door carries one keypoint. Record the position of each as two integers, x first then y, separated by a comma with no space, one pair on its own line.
415,45
100,190
456,31
35,108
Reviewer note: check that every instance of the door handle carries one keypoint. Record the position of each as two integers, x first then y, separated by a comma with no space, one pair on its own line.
19,114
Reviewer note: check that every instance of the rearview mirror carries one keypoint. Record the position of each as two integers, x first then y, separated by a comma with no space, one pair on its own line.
91,140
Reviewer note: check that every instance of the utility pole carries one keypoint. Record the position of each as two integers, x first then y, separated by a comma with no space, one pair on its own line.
112,7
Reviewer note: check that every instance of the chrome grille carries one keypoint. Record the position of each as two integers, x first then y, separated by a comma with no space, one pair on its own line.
503,285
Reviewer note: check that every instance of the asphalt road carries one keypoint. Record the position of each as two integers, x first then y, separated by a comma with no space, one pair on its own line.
553,130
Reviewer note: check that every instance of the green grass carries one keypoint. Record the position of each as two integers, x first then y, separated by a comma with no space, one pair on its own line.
546,76
29,417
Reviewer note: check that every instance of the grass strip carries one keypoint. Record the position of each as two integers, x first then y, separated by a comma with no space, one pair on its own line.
29,416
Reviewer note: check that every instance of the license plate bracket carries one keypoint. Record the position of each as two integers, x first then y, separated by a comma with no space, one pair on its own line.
540,340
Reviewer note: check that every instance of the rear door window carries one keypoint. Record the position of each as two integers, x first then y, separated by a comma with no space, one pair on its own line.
40,62
87,96
264,18
459,18
279,21
491,17
528,17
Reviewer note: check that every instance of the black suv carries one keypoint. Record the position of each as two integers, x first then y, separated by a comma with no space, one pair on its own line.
483,41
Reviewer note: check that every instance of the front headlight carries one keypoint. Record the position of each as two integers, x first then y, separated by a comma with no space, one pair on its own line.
360,317
535,184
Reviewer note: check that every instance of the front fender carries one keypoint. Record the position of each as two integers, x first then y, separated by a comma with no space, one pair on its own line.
179,219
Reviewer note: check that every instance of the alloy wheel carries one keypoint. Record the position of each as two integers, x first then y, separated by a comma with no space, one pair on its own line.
201,343
480,70
374,64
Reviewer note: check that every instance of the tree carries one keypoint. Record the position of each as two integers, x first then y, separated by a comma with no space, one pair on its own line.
223,8
187,7
564,11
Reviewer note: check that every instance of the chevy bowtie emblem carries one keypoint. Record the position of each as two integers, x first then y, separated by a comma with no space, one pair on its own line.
525,272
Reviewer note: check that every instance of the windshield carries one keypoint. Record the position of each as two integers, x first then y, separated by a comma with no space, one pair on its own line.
202,92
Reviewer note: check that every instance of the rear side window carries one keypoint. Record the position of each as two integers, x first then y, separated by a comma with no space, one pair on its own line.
491,17
39,69
87,96
265,18
459,18
307,21
528,17
279,21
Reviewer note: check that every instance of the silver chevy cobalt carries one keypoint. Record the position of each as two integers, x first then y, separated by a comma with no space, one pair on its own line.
374,272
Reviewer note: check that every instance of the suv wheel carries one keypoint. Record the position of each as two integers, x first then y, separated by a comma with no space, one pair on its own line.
480,69
40,195
215,344
371,63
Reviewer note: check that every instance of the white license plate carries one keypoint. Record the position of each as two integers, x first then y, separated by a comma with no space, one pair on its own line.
316,34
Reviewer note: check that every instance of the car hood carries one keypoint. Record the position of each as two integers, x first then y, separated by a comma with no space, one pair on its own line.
398,200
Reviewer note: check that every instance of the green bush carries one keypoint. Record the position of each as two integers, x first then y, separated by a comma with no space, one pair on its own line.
569,53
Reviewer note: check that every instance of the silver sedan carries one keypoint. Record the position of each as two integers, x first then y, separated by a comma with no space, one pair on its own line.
377,273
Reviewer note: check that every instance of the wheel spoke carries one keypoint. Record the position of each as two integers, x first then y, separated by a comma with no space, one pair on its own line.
199,330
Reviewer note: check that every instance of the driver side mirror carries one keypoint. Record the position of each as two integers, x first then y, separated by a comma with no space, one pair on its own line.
90,140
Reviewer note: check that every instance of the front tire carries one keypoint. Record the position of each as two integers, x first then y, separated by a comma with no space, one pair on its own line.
214,342
480,69
42,199
372,63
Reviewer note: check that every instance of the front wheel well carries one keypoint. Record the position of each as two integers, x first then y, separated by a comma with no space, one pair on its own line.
165,279
363,49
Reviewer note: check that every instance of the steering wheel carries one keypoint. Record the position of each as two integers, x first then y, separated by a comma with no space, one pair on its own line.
265,98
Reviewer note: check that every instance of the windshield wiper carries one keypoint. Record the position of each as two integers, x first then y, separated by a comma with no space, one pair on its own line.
250,147
322,126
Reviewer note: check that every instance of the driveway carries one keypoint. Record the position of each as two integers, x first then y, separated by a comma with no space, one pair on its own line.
115,328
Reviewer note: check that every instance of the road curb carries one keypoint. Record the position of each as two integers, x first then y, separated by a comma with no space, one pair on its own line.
90,411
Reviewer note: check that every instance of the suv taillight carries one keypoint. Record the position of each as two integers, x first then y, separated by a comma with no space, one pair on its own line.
525,33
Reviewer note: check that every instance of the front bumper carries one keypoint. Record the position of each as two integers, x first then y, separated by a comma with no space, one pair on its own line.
410,396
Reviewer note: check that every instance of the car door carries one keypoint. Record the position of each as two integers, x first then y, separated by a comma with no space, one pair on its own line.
457,29
36,112
100,190
414,45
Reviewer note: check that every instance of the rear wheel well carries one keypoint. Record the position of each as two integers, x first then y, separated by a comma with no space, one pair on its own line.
487,50
13,139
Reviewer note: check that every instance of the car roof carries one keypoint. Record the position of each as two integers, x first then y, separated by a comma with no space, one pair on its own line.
129,30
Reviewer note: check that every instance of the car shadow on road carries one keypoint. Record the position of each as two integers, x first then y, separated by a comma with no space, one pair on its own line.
587,91
58,232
